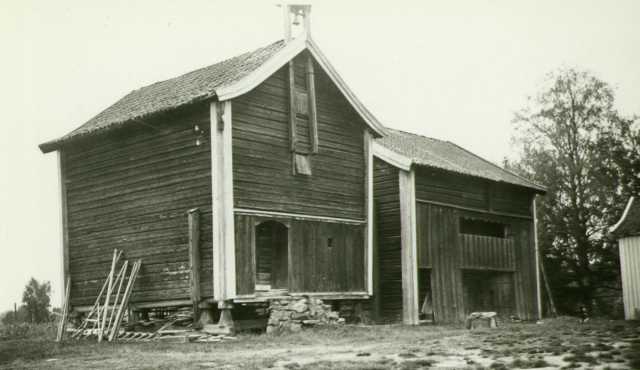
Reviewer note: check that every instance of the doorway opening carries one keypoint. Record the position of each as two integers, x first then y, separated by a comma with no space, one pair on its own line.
272,256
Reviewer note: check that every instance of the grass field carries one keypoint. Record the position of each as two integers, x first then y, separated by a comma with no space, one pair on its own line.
559,343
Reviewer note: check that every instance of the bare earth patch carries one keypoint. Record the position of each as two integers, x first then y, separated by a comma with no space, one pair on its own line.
559,343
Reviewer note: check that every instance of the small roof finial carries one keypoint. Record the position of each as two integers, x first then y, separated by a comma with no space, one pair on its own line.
297,20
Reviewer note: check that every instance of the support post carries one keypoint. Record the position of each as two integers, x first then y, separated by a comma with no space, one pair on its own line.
409,255
64,234
223,233
193,216
311,96
368,191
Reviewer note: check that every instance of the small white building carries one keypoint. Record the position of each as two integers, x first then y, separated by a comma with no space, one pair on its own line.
627,230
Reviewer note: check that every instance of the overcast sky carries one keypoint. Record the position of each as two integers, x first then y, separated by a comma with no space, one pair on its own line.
455,70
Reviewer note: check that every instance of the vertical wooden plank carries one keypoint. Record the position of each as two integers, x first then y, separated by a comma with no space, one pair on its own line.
193,222
368,237
64,229
537,258
410,305
313,117
224,267
292,107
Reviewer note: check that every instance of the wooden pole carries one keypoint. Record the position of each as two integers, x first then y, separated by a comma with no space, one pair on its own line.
540,268
119,280
109,288
65,312
194,259
125,301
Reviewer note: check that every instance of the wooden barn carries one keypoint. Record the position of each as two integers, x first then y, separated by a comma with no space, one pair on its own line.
258,168
455,233
253,179
627,231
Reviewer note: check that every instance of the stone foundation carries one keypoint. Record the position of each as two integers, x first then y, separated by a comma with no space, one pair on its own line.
294,314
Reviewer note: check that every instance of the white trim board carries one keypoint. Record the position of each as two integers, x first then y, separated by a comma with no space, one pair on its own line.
261,213
624,215
391,157
277,61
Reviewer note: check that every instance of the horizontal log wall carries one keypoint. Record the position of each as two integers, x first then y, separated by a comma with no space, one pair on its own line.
130,189
448,253
438,186
388,263
314,266
262,158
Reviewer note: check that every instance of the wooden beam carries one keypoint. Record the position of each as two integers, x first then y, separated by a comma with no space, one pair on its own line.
368,193
298,216
193,216
223,234
292,108
476,210
409,251
311,94
64,229
395,159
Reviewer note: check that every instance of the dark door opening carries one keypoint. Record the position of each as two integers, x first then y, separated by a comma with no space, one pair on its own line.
272,257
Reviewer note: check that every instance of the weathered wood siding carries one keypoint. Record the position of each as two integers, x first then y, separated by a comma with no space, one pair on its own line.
448,253
130,189
438,241
262,158
446,188
389,268
314,266
630,276
485,252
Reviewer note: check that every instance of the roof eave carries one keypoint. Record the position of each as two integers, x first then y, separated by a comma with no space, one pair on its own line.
623,218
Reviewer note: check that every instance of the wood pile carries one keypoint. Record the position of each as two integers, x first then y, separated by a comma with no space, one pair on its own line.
105,316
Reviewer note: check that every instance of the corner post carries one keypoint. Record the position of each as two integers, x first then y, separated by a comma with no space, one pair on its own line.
538,261
223,228
193,218
368,193
409,249
64,230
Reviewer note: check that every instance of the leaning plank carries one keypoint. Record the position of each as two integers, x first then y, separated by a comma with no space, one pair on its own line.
119,278
109,287
125,301
65,312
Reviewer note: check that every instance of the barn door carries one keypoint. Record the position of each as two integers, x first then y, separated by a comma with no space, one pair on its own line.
272,256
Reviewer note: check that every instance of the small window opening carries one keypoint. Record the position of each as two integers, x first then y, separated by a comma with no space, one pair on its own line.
330,242
483,228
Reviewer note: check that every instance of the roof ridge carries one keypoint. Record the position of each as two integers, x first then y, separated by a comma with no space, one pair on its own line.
209,65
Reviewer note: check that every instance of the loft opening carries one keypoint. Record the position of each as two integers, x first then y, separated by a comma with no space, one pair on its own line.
272,256
482,227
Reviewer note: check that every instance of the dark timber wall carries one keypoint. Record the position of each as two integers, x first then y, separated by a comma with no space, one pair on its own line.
448,253
130,189
387,201
315,264
262,159
465,191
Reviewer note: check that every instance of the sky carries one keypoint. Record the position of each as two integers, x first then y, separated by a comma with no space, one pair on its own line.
454,70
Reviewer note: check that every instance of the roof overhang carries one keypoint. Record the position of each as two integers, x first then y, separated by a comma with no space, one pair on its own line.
282,57
393,158
615,227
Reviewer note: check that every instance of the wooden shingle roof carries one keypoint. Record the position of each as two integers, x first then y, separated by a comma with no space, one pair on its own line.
445,155
629,223
191,87
222,81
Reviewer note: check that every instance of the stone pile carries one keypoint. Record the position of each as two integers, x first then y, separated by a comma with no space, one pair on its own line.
294,314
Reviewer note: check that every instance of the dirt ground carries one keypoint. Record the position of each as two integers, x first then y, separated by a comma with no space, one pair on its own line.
558,343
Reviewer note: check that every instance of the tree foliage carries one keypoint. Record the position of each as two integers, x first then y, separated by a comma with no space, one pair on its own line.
574,142
36,300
